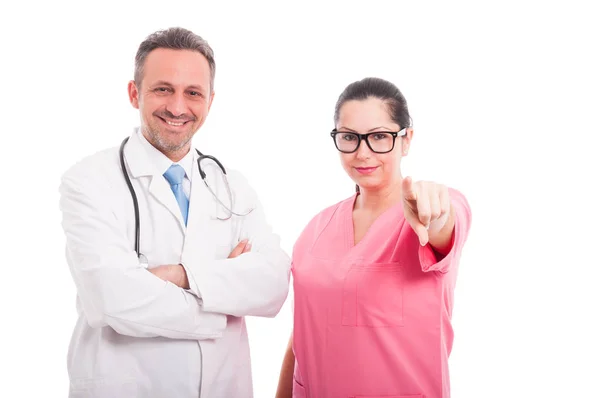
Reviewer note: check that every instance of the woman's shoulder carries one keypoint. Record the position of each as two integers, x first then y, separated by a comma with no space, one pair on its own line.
322,219
325,215
330,210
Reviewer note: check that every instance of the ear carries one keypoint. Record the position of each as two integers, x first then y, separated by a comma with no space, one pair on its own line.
133,94
406,140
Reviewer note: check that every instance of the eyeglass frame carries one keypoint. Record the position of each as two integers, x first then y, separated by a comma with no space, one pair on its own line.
365,137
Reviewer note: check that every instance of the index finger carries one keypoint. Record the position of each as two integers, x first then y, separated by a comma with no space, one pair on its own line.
408,191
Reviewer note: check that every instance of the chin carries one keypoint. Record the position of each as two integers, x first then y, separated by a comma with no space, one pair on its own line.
368,183
170,143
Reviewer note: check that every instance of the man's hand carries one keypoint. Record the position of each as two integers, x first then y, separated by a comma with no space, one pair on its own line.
174,273
427,210
242,247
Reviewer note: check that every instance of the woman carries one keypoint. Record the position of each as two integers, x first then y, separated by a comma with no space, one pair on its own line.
374,274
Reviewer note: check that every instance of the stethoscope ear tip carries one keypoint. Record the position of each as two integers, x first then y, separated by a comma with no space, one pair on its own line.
143,260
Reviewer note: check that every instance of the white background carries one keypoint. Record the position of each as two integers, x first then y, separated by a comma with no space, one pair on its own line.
505,103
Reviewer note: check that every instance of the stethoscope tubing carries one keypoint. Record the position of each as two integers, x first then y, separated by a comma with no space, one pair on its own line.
202,175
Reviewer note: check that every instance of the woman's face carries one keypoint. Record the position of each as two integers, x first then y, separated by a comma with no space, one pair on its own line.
368,169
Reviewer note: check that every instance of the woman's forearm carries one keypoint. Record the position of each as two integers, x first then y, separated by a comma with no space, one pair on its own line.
286,376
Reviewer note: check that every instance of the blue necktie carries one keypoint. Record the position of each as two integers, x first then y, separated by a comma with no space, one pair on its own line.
175,176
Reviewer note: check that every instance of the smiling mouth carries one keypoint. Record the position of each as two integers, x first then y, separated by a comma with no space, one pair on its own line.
365,170
172,123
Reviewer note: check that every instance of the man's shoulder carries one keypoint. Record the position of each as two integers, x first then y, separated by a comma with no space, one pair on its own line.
238,180
92,168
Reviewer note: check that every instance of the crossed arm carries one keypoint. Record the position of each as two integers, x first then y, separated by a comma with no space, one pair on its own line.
116,290
175,273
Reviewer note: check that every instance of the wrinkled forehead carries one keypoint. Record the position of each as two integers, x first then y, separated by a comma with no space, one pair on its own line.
179,68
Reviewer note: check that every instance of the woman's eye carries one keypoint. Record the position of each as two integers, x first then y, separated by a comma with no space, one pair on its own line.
349,137
382,136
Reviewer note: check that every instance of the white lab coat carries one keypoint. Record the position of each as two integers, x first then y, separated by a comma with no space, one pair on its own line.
136,335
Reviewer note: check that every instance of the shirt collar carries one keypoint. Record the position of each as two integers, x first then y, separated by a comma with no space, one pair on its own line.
161,162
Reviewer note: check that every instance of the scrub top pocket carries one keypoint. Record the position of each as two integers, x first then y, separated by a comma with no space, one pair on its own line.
373,296
388,396
298,390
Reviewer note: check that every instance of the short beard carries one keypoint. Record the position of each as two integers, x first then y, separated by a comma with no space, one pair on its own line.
163,146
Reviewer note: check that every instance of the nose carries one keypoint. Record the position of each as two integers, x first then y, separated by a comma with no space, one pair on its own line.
363,151
177,105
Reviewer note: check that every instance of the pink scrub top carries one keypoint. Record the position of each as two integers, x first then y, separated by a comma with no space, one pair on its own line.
373,319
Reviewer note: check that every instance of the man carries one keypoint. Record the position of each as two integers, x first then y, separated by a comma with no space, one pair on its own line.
165,317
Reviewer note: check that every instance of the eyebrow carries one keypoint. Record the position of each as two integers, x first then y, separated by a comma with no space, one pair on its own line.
196,87
166,83
162,83
380,128
371,130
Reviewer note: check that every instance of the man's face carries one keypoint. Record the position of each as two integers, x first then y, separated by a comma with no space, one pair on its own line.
174,98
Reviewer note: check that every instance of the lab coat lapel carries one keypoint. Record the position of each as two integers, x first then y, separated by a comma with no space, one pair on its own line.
161,191
140,166
202,205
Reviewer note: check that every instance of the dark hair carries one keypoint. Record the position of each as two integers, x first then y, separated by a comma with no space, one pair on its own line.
378,88
175,39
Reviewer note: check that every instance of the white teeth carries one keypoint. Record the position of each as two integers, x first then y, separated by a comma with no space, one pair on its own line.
173,123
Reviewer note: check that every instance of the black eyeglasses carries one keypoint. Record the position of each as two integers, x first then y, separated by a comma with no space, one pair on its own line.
377,141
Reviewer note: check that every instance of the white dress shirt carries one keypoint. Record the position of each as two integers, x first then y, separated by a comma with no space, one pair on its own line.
163,163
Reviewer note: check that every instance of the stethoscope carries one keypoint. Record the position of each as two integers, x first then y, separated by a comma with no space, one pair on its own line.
136,208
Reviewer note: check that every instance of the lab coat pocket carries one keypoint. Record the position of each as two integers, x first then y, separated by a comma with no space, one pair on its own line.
103,388
373,296
222,251
222,237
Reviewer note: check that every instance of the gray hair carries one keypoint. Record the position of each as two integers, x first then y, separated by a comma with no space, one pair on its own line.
175,39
